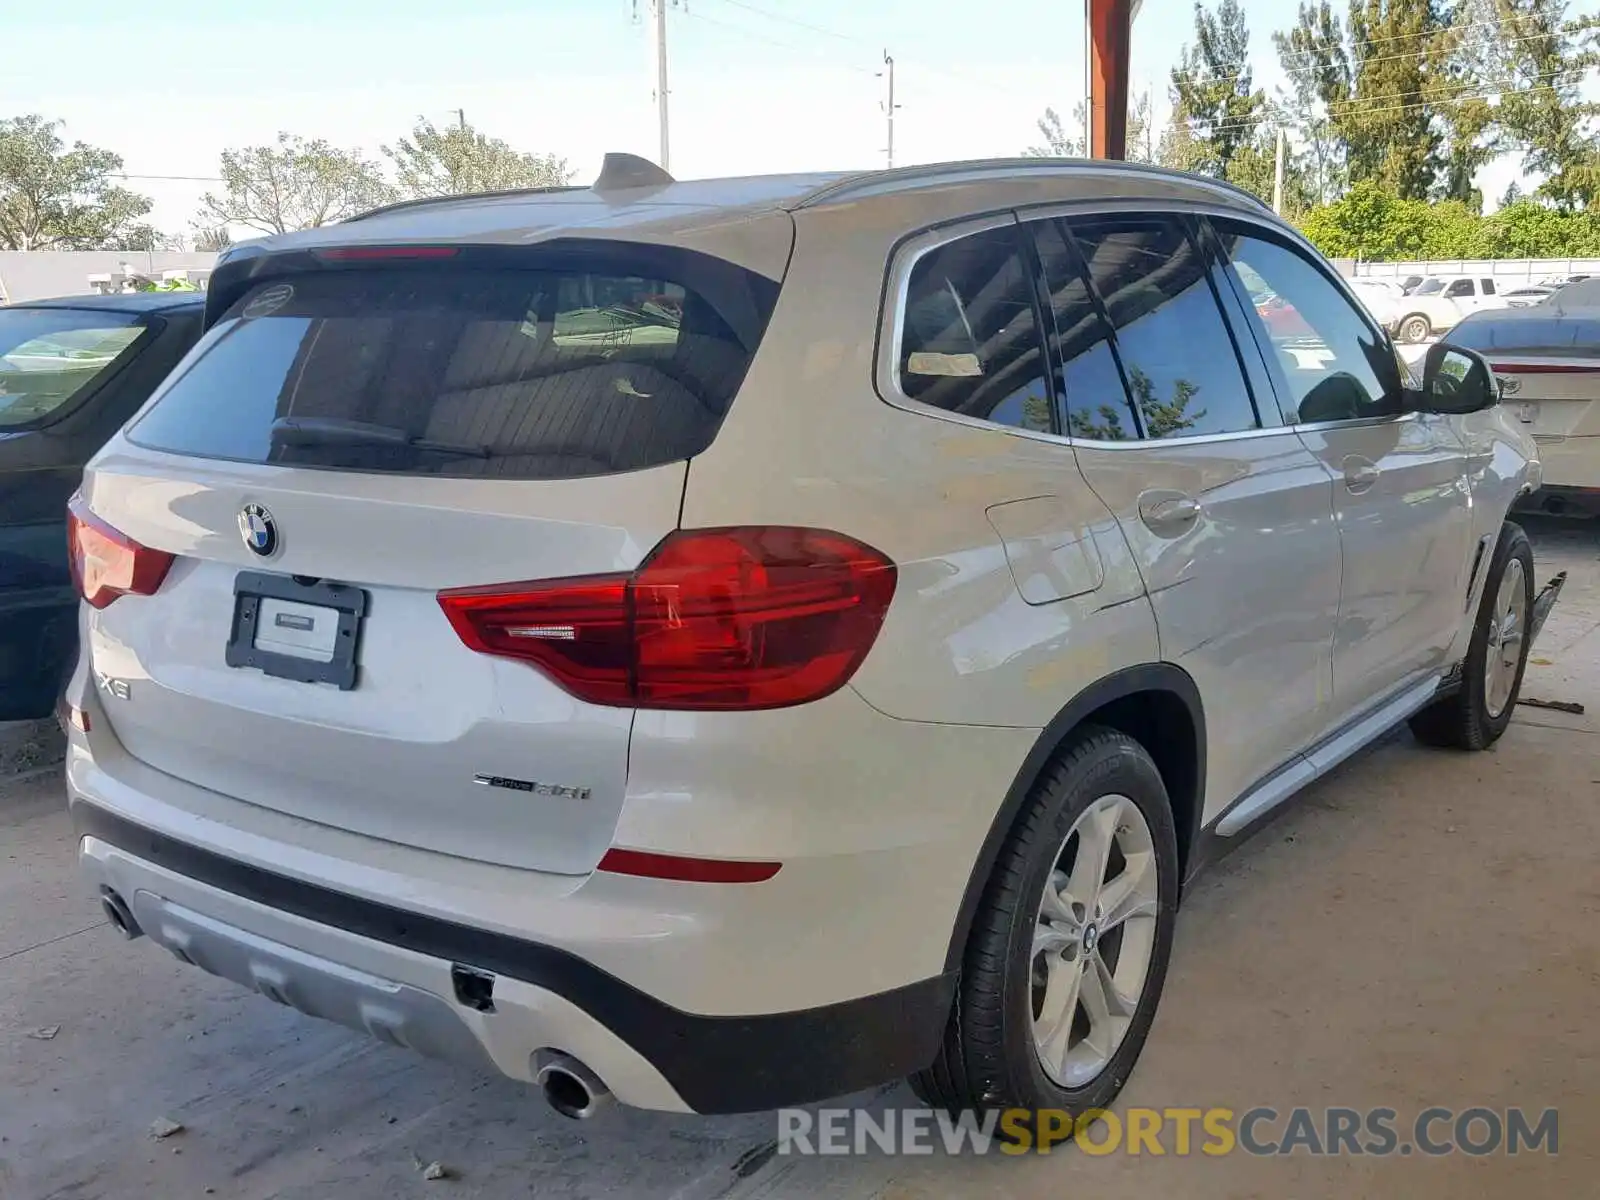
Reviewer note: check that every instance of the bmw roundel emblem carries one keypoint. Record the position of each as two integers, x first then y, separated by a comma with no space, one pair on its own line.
258,529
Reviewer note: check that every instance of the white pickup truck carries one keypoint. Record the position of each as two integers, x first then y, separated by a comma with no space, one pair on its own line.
1437,303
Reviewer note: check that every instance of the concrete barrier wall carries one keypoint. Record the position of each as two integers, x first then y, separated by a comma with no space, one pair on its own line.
42,274
1514,271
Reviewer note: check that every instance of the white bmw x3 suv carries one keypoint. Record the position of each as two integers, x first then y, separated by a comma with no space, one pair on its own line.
729,644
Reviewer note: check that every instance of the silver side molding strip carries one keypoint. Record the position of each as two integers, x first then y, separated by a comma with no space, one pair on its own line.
1314,764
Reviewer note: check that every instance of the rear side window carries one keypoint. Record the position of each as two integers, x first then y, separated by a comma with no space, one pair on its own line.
582,367
969,342
1097,405
49,356
1176,351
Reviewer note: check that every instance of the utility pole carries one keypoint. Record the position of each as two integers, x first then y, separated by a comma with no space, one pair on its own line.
661,77
888,64
1277,172
461,117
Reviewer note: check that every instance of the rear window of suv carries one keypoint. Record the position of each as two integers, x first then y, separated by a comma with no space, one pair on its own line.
590,364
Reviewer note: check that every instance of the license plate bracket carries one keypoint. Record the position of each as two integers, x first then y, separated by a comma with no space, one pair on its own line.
347,605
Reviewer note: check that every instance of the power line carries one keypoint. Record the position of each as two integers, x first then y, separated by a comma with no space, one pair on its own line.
699,15
1396,37
938,68
795,21
173,178
1494,89
1292,72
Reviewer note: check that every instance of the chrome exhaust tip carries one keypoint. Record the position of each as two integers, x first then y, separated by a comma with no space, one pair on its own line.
119,914
569,1087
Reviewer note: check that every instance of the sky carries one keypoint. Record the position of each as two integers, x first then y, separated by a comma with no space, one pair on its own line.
755,85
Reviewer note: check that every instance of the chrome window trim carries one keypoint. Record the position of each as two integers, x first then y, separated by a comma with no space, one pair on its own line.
913,248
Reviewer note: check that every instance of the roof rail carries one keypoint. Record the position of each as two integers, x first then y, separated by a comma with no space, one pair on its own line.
460,198
952,172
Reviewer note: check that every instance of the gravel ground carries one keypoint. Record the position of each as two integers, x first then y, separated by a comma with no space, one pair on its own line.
1421,929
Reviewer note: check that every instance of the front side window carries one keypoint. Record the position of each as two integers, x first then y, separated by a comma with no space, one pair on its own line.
1336,363
1459,287
1176,351
969,342
49,356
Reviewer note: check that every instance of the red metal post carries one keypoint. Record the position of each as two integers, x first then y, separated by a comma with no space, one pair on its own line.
1110,25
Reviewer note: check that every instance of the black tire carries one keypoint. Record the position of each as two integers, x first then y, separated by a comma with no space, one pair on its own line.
988,1061
1415,328
1462,720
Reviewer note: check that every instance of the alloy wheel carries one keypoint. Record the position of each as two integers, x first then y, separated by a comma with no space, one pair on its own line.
1094,938
1507,625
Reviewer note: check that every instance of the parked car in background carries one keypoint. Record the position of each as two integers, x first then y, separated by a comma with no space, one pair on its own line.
808,635
1548,360
71,372
1438,302
1529,294
1381,296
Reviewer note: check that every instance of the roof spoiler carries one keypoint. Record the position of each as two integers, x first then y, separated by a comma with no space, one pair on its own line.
620,172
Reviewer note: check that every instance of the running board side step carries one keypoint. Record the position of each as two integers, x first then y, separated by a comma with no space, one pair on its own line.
1316,763
1542,604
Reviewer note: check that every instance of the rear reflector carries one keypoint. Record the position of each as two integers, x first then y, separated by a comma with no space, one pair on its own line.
740,618
70,717
107,564
686,870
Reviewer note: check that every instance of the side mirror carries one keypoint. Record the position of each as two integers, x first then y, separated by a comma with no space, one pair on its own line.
1456,380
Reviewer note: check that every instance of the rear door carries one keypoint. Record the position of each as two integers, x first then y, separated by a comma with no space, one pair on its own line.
1228,515
1400,491
346,443
68,378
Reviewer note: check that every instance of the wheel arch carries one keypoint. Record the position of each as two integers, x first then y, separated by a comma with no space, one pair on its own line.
1140,701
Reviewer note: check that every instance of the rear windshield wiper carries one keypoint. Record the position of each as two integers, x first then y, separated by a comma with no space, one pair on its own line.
337,431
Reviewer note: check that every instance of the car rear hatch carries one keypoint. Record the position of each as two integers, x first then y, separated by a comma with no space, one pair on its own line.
1557,397
358,435
1547,360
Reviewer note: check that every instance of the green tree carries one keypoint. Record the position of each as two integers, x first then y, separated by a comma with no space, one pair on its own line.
1316,61
1213,90
55,198
1141,129
1058,143
1544,55
214,238
295,184
1178,147
1388,124
459,160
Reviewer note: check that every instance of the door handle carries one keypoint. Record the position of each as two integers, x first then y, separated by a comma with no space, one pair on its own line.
1169,513
1359,474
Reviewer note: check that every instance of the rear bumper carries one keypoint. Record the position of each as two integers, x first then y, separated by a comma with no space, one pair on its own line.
1571,464
388,971
834,975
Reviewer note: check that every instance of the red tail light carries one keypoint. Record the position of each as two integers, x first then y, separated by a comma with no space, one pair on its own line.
107,564
739,618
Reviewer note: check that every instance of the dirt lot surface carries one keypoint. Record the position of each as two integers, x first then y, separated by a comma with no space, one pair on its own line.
1420,929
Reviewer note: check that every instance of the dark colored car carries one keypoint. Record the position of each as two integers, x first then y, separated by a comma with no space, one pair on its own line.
71,372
